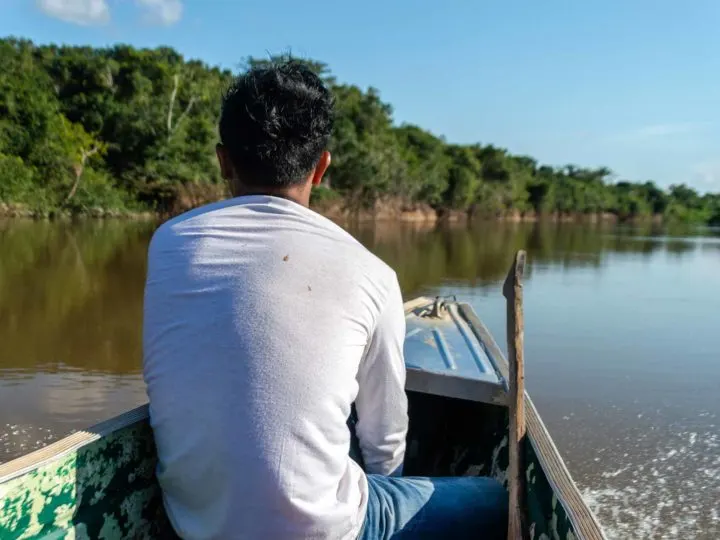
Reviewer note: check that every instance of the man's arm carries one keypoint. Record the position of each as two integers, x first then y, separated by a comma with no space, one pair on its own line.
381,402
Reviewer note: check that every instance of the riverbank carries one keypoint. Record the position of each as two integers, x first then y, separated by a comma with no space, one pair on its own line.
334,206
11,211
338,209
394,210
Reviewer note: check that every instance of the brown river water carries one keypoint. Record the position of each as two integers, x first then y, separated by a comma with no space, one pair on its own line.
621,350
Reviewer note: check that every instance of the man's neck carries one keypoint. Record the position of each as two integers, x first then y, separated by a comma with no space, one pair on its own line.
298,194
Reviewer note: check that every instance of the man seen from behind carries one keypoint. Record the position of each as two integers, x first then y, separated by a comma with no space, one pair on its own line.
264,323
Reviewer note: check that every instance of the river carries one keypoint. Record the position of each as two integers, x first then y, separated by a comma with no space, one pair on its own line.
622,360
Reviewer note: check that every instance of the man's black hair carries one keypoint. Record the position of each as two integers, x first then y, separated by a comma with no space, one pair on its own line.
275,123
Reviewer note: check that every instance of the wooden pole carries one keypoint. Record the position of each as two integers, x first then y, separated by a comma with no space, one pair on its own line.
513,292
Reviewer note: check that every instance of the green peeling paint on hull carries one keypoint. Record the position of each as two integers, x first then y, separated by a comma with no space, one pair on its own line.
105,489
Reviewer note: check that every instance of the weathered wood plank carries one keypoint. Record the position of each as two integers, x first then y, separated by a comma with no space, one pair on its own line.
512,290
570,502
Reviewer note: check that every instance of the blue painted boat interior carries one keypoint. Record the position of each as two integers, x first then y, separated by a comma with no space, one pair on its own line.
446,346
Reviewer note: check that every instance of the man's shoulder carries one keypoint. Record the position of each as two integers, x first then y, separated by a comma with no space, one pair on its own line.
350,248
173,227
199,213
362,255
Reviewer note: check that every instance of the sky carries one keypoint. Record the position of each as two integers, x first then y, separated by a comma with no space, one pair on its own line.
629,84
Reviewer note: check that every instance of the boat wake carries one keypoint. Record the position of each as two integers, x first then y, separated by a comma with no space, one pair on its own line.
669,494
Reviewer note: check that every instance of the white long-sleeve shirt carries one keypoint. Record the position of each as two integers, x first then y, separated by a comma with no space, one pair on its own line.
263,323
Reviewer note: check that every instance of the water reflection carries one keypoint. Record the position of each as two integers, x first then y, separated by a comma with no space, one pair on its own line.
72,293
481,254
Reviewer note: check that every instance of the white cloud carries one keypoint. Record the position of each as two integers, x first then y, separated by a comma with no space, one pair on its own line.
657,131
83,12
166,12
662,130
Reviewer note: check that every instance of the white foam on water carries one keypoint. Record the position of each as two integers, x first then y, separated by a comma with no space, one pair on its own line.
17,440
613,474
669,495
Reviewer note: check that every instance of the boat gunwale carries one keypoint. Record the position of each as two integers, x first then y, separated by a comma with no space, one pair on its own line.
72,443
584,521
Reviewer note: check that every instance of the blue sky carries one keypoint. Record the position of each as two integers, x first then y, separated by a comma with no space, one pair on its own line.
634,85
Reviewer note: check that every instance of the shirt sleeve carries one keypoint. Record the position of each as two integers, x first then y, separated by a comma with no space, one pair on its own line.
381,403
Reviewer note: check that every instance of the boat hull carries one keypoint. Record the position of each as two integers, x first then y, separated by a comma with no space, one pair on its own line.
98,484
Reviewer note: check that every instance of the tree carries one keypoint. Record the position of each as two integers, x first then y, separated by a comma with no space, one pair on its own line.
79,146
464,178
427,162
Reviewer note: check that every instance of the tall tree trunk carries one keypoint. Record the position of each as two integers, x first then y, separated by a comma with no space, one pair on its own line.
173,95
79,168
78,173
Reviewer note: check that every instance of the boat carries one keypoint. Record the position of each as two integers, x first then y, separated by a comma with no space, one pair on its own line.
101,483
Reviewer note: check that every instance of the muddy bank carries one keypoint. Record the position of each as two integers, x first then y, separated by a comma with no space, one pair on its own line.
397,210
381,210
187,197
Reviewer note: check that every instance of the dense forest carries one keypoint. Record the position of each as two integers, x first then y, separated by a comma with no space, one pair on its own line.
118,130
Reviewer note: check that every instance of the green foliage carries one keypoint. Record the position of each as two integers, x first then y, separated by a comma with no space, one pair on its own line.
464,177
106,128
16,180
322,194
712,203
85,129
427,165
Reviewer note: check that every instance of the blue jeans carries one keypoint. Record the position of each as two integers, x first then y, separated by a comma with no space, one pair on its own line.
424,508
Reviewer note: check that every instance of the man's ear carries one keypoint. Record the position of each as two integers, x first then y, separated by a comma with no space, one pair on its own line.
226,167
322,166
